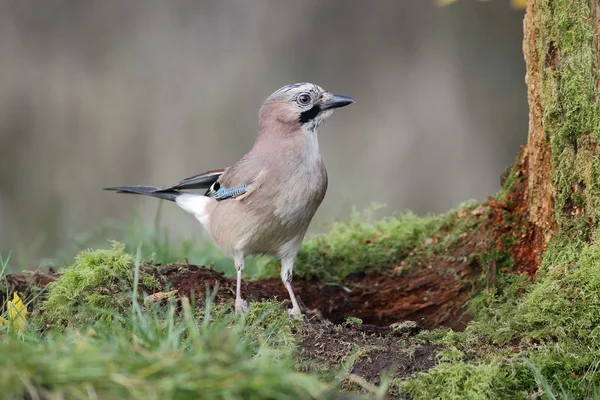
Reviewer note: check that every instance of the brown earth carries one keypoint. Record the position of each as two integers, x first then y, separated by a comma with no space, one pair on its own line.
378,350
376,298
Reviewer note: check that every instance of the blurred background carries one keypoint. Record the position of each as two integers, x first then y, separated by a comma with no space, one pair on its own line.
112,92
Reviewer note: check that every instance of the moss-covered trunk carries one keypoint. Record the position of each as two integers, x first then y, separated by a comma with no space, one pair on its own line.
560,158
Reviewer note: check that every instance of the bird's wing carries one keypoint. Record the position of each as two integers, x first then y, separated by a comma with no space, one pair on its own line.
237,181
200,181
238,191
210,181
221,186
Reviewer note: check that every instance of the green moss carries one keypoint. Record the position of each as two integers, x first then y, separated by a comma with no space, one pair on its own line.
565,303
97,284
492,307
571,109
554,322
509,181
462,380
353,322
361,244
559,316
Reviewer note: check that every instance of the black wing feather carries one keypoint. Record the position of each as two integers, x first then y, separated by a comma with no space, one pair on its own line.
200,181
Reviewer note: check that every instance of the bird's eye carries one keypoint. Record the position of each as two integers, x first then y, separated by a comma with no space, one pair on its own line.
304,99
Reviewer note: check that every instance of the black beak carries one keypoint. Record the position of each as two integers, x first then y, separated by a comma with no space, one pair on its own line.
336,101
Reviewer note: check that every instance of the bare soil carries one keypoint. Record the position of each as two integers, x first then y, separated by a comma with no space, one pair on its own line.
376,298
378,351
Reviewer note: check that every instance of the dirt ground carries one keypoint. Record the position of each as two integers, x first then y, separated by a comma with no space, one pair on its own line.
376,298
378,350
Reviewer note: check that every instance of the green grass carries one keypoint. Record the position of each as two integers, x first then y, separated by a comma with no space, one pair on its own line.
527,339
3,269
145,351
102,287
156,355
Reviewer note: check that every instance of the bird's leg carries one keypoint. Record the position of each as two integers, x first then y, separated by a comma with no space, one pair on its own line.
240,305
287,268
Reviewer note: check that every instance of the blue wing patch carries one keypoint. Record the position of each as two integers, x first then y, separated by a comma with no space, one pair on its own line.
222,193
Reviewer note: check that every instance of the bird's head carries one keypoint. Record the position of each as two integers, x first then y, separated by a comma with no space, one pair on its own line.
303,105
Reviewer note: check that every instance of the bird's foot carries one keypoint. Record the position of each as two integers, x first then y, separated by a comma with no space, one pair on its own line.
296,313
241,306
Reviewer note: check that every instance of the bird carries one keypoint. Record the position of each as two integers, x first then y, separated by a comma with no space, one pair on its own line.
263,203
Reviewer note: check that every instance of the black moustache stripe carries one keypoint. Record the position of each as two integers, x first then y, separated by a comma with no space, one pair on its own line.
309,115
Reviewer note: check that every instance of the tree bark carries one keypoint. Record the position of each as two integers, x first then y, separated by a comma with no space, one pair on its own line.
560,158
536,159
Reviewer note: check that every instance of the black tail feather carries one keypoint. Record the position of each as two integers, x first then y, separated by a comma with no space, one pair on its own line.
151,191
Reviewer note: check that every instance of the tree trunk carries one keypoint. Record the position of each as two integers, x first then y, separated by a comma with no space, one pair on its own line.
560,160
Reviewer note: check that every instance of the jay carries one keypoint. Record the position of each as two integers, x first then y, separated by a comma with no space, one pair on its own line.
264,203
